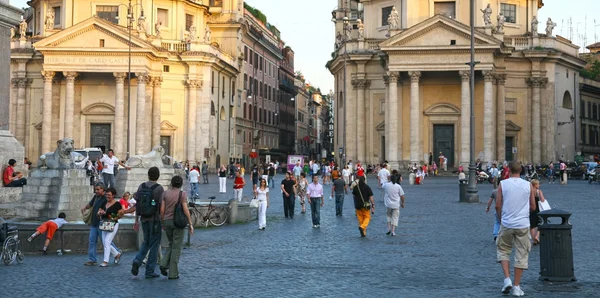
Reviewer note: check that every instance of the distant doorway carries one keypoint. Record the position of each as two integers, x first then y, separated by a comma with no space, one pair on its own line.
100,134
443,141
383,157
165,142
510,143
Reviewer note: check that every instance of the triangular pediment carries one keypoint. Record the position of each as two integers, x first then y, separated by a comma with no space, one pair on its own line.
87,35
442,109
511,126
166,125
438,31
380,126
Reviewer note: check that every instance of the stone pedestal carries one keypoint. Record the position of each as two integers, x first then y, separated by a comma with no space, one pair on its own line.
130,180
9,196
51,191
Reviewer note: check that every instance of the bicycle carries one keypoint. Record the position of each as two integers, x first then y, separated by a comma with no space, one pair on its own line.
9,235
216,215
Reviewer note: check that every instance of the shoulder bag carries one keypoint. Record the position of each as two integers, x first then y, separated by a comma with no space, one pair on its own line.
107,225
366,204
179,217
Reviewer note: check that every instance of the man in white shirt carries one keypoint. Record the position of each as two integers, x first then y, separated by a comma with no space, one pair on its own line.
315,169
110,168
393,195
383,176
514,200
297,171
315,199
193,176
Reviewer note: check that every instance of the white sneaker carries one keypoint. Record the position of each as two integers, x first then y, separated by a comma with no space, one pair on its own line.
516,291
507,286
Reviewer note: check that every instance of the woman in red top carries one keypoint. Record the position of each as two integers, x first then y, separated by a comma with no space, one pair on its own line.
238,186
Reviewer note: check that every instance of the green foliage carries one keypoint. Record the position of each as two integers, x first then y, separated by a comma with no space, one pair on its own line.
591,70
256,13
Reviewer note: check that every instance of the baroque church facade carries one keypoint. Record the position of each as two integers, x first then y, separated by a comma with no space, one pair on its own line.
71,68
402,82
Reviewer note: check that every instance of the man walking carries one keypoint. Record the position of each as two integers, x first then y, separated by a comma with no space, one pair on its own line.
297,171
495,175
204,172
193,176
271,173
339,188
383,176
95,203
394,200
148,200
315,199
110,168
288,189
514,200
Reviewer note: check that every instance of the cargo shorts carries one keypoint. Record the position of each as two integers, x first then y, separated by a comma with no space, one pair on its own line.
517,239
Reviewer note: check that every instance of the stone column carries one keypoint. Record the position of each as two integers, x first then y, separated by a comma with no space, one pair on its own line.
191,120
386,116
415,138
20,111
12,113
360,85
118,138
393,122
488,114
536,141
203,123
551,128
501,118
465,117
156,84
140,127
47,112
27,115
69,102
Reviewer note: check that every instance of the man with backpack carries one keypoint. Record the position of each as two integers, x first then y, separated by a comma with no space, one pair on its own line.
148,199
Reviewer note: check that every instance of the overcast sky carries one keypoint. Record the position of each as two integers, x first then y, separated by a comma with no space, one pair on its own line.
306,27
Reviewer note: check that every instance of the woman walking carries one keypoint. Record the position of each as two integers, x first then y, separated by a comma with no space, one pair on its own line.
262,195
169,265
364,205
222,179
346,175
533,215
108,212
394,200
302,185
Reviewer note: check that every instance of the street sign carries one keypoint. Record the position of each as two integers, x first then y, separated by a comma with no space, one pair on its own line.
268,158
514,150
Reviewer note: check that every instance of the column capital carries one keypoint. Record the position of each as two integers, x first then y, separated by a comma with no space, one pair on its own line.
15,82
156,81
465,75
21,83
394,77
48,75
415,76
386,79
120,76
488,75
361,83
537,82
70,75
142,77
500,78
193,84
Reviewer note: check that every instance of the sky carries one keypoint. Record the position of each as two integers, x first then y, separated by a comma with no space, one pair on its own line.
307,28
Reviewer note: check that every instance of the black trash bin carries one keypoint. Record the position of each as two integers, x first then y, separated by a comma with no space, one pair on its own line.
462,190
556,247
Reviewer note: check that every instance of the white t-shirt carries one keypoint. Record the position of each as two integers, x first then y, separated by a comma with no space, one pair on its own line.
346,172
383,176
59,222
194,176
315,168
515,203
109,164
393,192
262,194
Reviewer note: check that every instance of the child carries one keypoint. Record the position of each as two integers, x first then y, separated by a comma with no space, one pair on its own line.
49,228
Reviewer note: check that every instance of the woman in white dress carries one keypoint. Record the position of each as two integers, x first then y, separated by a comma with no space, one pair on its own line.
262,195
346,175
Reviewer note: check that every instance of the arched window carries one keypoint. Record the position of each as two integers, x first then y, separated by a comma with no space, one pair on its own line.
213,110
567,103
222,113
260,115
244,110
255,116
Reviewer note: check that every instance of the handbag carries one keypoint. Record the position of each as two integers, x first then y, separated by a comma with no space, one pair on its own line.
87,217
107,225
254,203
366,204
179,217
544,205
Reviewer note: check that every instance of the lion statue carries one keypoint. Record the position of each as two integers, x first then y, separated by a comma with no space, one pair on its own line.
63,157
148,160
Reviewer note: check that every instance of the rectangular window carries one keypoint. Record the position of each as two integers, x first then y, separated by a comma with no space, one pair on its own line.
589,111
255,60
212,82
166,68
223,90
445,8
163,16
56,16
189,21
582,109
260,63
101,43
583,135
382,106
385,14
246,53
251,57
509,11
108,12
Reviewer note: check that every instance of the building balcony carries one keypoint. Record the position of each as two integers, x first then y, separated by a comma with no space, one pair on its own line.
525,42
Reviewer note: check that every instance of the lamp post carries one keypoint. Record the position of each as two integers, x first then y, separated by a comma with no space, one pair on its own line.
472,196
130,21
345,28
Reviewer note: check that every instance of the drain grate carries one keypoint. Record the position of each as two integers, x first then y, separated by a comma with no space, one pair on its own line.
558,288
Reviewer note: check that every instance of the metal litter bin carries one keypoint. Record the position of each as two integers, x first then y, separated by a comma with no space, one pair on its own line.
556,247
462,190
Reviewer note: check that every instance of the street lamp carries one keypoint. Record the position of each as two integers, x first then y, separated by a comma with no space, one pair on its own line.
472,195
345,28
130,21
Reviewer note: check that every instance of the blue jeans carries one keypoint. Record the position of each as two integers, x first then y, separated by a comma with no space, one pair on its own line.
95,233
271,181
109,180
152,233
315,210
339,204
194,189
496,225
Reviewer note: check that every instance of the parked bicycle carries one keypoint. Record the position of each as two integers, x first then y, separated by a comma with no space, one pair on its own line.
215,215
9,236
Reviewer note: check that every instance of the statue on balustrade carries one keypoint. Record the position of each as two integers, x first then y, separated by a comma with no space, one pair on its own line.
193,32
549,27
23,29
394,19
141,24
207,34
49,19
157,26
534,26
361,29
500,26
487,15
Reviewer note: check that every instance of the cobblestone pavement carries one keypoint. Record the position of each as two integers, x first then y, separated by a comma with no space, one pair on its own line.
443,248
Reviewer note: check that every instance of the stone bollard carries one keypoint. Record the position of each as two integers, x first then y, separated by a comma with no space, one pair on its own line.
233,211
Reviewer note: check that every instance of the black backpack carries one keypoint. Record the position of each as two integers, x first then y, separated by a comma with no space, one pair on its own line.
179,217
146,204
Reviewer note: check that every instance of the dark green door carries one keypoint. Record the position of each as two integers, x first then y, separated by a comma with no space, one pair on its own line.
509,141
100,135
443,141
